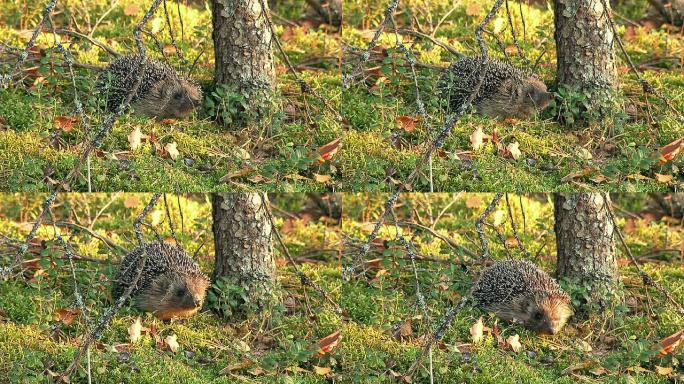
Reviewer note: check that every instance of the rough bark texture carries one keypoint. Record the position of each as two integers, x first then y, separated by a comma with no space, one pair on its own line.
586,247
242,239
670,204
329,10
243,51
585,51
671,10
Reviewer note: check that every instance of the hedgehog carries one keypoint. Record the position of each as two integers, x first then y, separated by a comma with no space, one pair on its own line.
519,292
506,91
171,284
162,93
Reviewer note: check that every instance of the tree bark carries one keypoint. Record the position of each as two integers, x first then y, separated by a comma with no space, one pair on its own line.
585,243
585,52
242,240
243,53
671,10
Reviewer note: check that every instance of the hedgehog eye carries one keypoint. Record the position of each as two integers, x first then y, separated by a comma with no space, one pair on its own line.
180,293
178,95
538,316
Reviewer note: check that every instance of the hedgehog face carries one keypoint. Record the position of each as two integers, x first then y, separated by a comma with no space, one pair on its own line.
547,314
185,292
537,98
180,97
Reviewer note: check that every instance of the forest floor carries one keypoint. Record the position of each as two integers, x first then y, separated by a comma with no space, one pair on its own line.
385,327
386,135
40,140
41,328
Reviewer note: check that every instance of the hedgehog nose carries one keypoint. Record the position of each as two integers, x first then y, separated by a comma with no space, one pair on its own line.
198,303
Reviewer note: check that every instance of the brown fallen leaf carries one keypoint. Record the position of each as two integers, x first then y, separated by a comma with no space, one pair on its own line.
245,363
663,178
67,316
328,343
575,175
408,123
670,151
66,123
476,331
670,343
514,150
579,366
327,151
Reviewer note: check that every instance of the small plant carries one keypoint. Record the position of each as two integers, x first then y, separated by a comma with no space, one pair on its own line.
229,299
225,102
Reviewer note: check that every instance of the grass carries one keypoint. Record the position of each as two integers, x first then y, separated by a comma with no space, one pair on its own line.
385,327
276,346
615,154
281,155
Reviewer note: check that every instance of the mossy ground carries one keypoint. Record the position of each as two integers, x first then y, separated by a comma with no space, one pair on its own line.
383,334
283,157
280,343
615,153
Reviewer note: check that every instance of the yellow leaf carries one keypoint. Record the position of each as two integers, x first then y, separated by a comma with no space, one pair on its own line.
663,178
322,370
322,178
663,370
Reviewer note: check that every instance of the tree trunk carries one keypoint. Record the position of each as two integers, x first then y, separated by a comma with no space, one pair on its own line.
586,248
243,54
242,240
585,54
671,10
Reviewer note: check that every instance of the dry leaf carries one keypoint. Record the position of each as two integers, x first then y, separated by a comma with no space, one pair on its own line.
663,178
514,343
598,371
172,150
131,9
406,329
668,344
135,138
326,344
476,138
408,123
473,9
576,367
514,150
473,201
663,370
65,123
172,343
476,331
245,363
322,370
574,175
670,151
131,201
326,152
322,178
134,330
67,315
169,49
